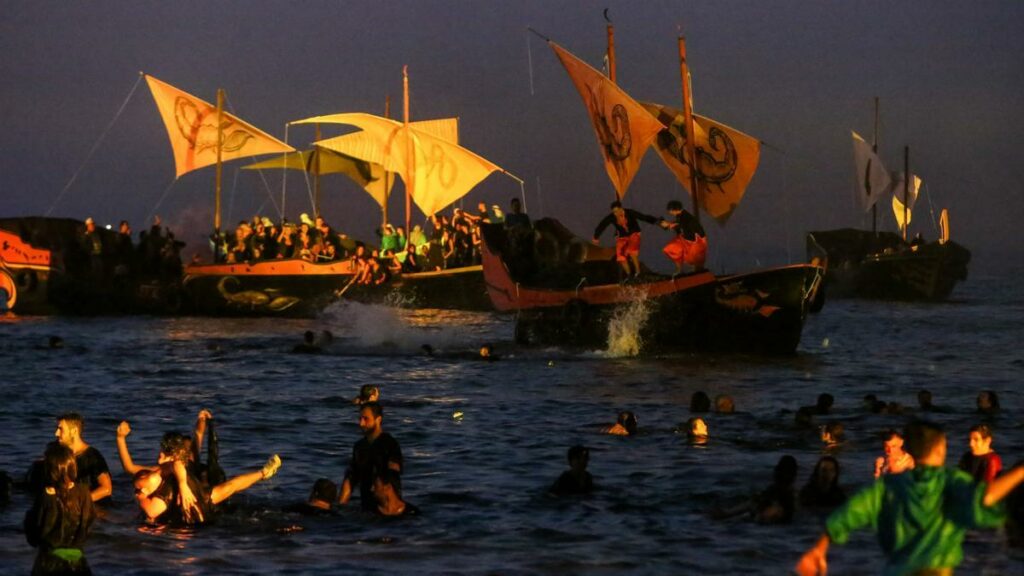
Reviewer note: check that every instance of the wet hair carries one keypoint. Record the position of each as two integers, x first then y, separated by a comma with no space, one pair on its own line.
308,337
835,430
615,205
324,489
674,205
825,401
983,429
73,419
60,467
375,408
724,404
577,452
785,470
700,402
892,433
175,446
922,437
628,421
367,390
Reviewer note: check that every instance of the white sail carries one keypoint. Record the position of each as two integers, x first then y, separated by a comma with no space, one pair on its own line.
873,180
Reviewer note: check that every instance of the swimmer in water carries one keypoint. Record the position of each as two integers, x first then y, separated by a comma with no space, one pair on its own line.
895,461
625,425
575,480
988,402
981,461
832,435
367,393
321,499
61,517
724,404
700,403
822,489
308,345
697,430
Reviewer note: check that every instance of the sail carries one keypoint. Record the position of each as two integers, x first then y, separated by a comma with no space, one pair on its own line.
368,175
192,128
439,171
726,158
899,212
873,180
624,128
911,192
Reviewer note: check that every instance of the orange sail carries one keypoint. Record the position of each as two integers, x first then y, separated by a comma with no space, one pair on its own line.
624,128
192,128
726,158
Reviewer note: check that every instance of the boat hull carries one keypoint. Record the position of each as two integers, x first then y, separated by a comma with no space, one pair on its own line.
454,289
881,266
761,312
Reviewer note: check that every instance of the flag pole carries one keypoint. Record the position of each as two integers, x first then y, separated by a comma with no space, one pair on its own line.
611,50
387,175
316,173
220,142
410,160
874,148
691,151
906,189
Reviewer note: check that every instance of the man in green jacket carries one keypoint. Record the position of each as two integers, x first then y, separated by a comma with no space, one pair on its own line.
921,515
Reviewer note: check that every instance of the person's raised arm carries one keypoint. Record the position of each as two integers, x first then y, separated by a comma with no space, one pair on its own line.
199,433
123,430
1003,485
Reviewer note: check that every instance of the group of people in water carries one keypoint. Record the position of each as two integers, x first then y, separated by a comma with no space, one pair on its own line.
921,509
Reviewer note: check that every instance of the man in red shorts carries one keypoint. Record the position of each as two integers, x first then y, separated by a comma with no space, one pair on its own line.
627,236
690,246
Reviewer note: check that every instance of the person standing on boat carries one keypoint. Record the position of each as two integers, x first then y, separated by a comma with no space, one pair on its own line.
690,246
627,235
93,245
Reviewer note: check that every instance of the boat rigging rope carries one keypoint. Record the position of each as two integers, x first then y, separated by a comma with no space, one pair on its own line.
160,201
96,145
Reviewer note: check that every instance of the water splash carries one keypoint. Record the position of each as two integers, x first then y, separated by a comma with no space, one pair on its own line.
626,323
390,329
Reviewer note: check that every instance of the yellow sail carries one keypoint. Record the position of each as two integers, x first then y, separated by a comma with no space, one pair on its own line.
443,171
726,158
192,128
368,175
624,128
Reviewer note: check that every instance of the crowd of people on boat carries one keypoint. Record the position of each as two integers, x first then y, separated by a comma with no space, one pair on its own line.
911,487
448,242
102,256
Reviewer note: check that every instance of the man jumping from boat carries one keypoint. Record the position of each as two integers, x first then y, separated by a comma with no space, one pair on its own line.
627,236
690,246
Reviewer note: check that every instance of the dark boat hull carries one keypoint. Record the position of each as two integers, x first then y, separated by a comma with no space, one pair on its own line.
454,289
760,312
862,264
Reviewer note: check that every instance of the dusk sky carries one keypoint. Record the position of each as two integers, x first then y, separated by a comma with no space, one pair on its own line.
799,75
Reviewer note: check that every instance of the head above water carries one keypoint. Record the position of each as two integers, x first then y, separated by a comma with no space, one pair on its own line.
371,418
70,426
988,402
926,442
324,490
832,433
924,399
628,421
175,446
696,427
60,466
700,402
785,470
980,439
578,456
724,404
825,401
369,393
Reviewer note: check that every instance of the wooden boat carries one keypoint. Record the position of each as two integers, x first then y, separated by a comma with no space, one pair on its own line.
26,274
564,291
882,264
44,270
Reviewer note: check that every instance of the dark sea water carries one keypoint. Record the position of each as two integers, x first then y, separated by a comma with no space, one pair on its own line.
480,478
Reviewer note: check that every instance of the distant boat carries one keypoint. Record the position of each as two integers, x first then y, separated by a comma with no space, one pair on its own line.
885,265
26,272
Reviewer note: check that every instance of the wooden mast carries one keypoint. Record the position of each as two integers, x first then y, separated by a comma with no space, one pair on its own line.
220,142
316,173
387,175
874,148
410,160
691,150
906,189
611,50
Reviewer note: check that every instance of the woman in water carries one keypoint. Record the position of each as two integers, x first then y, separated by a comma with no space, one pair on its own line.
59,521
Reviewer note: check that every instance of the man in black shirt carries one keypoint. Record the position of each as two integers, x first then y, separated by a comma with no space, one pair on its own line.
690,245
92,467
627,235
375,452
